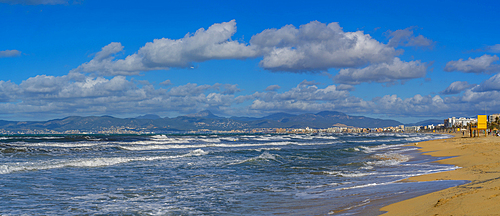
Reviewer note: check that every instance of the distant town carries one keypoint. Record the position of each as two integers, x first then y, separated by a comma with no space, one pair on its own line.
448,125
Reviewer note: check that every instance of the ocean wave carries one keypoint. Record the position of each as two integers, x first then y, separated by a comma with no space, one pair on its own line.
32,137
271,138
265,149
266,156
87,162
325,137
367,185
388,159
349,174
371,149
352,149
62,145
161,136
208,145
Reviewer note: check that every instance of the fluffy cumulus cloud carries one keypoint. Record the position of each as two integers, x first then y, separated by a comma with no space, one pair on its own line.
311,47
383,72
345,87
205,44
166,83
9,53
318,46
35,2
305,97
406,37
310,98
272,88
8,91
483,64
77,94
457,87
417,105
491,84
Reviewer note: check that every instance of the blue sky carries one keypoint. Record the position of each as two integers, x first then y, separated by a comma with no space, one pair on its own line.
385,59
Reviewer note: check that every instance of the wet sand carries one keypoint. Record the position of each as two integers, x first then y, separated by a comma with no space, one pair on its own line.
479,159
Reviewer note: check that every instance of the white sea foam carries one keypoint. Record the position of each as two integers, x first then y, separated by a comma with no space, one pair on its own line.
208,145
265,149
371,149
388,159
367,185
86,162
325,137
366,201
366,167
162,136
317,143
363,141
210,140
149,142
349,174
54,137
270,138
61,145
264,156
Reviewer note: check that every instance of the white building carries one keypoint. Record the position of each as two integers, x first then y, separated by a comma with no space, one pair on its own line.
493,117
458,122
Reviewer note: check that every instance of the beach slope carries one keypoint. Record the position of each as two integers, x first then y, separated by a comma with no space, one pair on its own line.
479,159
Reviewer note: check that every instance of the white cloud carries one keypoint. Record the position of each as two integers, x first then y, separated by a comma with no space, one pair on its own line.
104,63
345,87
492,49
495,48
272,88
317,46
161,54
229,89
306,97
383,72
9,53
35,2
312,47
405,37
491,84
166,83
483,64
77,95
417,105
8,91
457,87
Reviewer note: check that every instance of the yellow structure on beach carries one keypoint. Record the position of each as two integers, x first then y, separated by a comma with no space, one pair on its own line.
482,121
481,124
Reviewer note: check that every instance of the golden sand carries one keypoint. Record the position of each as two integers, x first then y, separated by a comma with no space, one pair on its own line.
479,159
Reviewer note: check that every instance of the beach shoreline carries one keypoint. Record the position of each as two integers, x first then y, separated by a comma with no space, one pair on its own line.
479,162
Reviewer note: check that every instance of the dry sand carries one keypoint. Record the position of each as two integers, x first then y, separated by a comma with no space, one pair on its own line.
480,161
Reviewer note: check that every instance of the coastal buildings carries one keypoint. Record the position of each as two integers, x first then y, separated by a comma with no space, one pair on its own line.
494,117
458,122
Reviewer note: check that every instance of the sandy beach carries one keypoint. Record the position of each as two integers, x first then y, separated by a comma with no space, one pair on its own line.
479,159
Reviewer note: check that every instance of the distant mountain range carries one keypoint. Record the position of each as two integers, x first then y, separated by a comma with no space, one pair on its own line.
201,120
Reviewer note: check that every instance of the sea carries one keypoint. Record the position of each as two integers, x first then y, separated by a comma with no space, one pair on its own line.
213,174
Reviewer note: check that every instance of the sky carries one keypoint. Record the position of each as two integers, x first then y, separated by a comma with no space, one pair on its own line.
407,61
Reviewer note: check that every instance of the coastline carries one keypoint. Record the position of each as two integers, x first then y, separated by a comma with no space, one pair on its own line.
479,159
